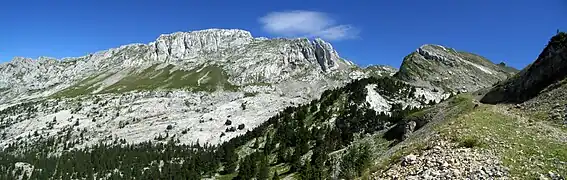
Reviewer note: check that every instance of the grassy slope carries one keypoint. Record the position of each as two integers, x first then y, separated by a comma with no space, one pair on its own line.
207,78
527,146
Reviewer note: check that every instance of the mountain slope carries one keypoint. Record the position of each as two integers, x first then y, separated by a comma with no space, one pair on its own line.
448,70
549,68
463,139
293,134
498,140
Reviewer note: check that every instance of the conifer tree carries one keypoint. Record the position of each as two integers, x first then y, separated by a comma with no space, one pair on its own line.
264,168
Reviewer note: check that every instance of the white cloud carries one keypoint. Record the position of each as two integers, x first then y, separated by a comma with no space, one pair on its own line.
307,24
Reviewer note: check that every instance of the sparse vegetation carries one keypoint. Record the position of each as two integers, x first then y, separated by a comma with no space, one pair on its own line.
470,142
250,94
509,135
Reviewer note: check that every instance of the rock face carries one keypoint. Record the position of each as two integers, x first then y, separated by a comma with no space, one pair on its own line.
446,69
549,68
184,85
245,59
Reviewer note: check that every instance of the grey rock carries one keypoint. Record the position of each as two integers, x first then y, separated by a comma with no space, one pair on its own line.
409,159
408,129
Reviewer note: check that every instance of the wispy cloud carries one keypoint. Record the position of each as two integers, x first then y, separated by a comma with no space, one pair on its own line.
307,24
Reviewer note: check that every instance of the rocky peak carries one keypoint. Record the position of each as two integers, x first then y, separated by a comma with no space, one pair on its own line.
443,68
439,53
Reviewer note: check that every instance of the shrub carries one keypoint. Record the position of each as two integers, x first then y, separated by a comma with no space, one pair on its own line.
250,94
470,142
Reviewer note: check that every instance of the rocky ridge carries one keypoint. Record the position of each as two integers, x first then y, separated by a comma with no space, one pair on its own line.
245,59
445,69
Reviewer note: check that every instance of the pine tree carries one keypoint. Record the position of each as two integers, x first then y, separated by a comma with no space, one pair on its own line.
231,160
268,145
306,172
247,168
296,160
264,169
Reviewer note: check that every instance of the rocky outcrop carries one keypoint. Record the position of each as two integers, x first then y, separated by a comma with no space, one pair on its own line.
326,56
447,161
187,45
446,69
409,127
549,68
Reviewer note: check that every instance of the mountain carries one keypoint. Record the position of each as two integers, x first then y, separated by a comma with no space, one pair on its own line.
234,54
221,104
448,70
185,84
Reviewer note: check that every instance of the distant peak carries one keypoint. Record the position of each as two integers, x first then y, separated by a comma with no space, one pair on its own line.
429,49
380,66
431,45
425,46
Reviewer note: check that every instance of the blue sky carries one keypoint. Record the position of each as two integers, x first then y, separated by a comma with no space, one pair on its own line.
366,32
